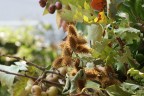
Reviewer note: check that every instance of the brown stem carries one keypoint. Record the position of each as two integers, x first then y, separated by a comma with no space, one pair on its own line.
121,43
17,74
81,94
47,71
27,62
34,78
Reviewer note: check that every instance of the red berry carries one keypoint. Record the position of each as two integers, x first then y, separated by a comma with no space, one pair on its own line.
51,8
42,3
58,5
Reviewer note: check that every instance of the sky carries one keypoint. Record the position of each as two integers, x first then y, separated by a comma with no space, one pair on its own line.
14,10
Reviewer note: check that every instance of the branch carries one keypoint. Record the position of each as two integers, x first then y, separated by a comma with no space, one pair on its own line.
47,71
121,43
34,78
27,62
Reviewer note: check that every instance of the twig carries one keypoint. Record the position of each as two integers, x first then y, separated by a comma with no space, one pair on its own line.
17,74
34,78
27,62
48,71
44,75
121,43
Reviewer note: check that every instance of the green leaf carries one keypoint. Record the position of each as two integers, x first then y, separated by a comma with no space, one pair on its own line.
129,87
77,10
86,6
71,86
139,93
21,65
95,32
74,2
132,72
140,58
3,91
120,66
19,87
67,15
136,75
112,8
139,9
91,84
45,11
128,9
128,34
115,90
125,56
8,79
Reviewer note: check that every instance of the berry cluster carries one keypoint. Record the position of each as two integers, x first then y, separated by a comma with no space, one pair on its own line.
42,89
52,7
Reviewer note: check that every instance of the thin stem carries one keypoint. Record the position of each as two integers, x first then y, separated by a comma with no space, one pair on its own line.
22,75
34,78
121,43
27,62
47,71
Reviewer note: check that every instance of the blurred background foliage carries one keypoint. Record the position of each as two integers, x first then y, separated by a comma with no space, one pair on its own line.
27,41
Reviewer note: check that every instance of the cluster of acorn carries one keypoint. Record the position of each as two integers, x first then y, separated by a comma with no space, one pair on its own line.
52,7
42,89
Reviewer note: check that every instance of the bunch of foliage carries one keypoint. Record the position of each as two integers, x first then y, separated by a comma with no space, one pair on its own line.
102,54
